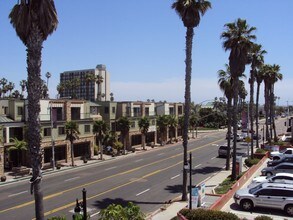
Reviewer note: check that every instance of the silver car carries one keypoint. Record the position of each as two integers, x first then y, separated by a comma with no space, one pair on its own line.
280,168
268,195
285,178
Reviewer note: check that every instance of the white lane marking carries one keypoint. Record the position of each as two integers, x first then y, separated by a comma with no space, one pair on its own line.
74,178
197,165
138,160
215,145
175,176
142,192
161,154
111,168
95,214
213,158
177,148
16,194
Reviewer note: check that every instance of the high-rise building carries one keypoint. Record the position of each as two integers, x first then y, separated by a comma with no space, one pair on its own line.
88,84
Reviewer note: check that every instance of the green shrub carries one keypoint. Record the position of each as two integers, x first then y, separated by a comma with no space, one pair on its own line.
260,151
204,214
250,162
263,217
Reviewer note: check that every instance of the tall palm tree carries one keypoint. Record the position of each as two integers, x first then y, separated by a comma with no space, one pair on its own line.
190,12
172,125
72,132
10,87
226,85
19,146
3,83
256,58
60,88
259,80
193,119
238,40
23,84
100,128
34,21
124,127
144,124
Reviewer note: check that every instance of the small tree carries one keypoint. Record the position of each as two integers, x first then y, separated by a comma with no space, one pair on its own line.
100,128
124,126
19,146
144,124
162,124
72,133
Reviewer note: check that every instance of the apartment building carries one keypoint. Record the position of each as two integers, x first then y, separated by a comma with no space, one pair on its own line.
14,123
76,84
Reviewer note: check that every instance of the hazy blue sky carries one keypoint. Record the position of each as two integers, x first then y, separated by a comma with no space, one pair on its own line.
142,43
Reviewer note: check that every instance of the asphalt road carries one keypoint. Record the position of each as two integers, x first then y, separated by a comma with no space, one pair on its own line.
148,179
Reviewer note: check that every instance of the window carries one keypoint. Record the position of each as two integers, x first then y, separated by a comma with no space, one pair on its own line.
132,124
47,132
180,111
87,128
19,110
75,113
171,111
106,110
113,110
61,130
147,111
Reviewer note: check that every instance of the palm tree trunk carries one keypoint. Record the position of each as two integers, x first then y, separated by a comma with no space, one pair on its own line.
251,113
229,103
267,112
72,153
143,141
34,57
188,63
234,123
256,112
273,112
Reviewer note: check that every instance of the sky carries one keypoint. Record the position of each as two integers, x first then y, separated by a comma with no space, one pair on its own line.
142,44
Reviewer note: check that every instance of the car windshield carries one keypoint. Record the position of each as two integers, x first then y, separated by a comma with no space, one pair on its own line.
254,189
282,151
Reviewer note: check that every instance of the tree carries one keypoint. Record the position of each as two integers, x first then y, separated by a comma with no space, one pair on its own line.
3,83
226,85
144,124
34,21
99,81
48,76
19,146
100,128
60,88
190,12
238,40
88,79
23,85
124,126
72,132
172,125
162,124
256,58
193,121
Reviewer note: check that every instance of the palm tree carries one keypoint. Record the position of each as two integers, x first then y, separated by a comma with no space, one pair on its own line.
190,12
99,81
259,80
88,79
10,87
256,58
162,124
238,40
144,124
60,88
193,123
20,146
226,85
34,21
72,132
48,76
172,125
124,126
16,94
3,83
23,84
100,128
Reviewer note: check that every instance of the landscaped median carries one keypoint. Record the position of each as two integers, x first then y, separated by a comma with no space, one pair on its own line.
223,199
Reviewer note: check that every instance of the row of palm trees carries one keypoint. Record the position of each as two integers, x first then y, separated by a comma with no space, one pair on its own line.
238,39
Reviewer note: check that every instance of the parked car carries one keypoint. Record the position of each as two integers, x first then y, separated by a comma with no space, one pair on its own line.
276,155
255,137
272,163
280,168
268,195
222,151
286,178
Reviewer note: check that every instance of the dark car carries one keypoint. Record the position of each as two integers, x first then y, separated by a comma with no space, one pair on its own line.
276,162
222,152
256,137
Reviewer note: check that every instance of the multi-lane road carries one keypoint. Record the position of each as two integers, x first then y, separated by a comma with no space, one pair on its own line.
148,179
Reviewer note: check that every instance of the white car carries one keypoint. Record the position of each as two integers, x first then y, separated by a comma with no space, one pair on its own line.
286,178
276,155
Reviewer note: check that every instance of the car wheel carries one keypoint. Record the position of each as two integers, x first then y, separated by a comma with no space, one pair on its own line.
269,174
246,204
289,209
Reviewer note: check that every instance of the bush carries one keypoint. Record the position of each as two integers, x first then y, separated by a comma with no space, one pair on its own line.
263,217
96,150
3,178
260,151
203,214
250,162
